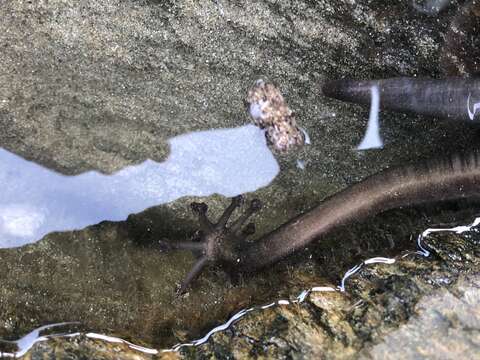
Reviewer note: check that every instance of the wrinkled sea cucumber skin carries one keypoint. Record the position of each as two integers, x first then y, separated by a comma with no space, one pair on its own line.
451,98
455,177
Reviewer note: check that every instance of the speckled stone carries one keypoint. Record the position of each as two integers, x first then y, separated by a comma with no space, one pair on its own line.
270,111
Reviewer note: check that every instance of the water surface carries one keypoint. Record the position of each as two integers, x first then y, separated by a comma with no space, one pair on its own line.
36,201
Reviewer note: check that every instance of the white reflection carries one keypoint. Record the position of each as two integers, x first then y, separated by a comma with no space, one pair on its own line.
20,220
372,139
35,201
472,110
113,339
25,343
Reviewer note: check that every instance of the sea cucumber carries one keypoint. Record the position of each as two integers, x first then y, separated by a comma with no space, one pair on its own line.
451,98
454,177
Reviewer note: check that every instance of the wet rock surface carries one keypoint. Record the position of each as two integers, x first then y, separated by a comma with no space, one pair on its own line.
460,54
84,348
415,308
447,325
99,85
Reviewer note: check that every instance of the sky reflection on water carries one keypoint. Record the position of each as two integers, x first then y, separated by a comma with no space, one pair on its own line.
36,201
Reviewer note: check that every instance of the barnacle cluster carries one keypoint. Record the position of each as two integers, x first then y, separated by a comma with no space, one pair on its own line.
270,112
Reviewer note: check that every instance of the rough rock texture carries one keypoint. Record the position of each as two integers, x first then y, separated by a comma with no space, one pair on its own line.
448,325
436,303
98,85
460,54
417,307
102,84
81,347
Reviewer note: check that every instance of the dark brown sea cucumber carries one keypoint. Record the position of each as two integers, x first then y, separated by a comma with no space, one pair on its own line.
455,177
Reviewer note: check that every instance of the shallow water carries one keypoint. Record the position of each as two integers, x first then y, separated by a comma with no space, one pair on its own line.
117,115
37,201
18,348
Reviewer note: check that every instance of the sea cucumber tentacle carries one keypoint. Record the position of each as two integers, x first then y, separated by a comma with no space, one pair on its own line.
218,243
255,205
201,210
236,202
193,274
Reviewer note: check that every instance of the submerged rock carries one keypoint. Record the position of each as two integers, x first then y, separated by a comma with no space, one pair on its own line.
103,85
385,307
447,324
82,347
414,308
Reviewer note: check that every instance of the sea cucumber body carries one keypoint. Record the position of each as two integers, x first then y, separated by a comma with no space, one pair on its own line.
451,98
454,177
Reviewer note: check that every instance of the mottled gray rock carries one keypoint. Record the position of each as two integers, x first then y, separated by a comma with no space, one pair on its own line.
82,347
101,85
447,327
